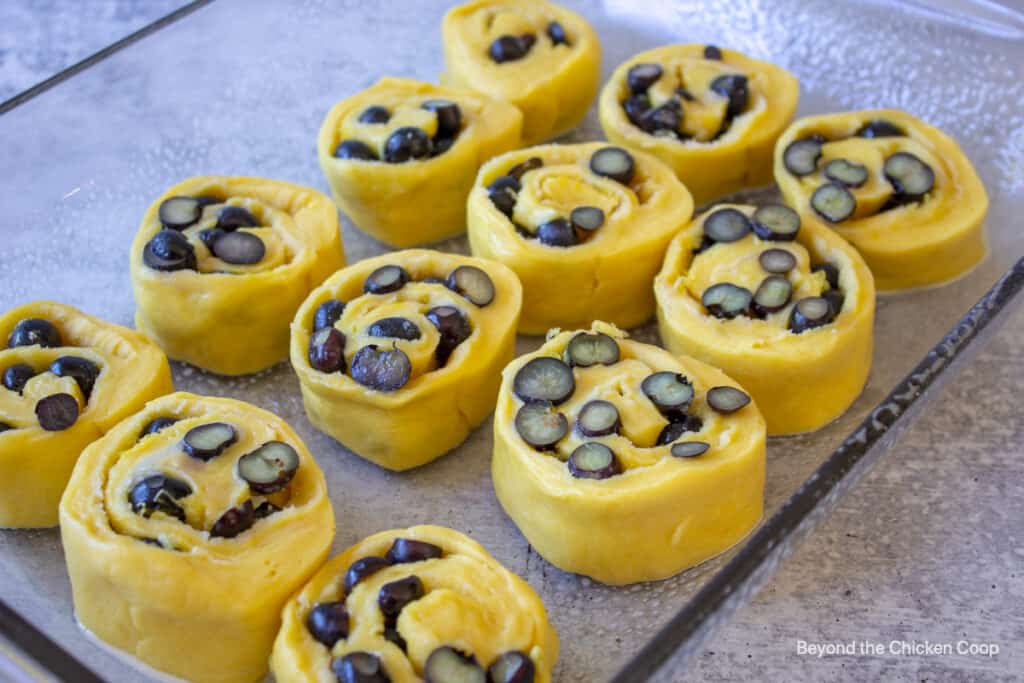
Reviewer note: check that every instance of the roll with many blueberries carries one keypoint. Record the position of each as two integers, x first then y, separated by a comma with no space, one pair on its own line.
623,462
186,529
401,156
399,356
68,378
220,265
786,307
541,57
899,190
583,226
411,605
713,115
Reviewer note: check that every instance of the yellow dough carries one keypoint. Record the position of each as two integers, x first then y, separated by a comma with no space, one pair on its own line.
227,318
470,603
911,244
183,600
417,201
608,275
800,381
714,154
35,464
662,513
553,84
441,402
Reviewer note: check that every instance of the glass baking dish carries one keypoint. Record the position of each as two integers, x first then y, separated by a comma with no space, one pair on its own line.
240,87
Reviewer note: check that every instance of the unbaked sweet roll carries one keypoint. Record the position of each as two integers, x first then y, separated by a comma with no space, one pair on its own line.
622,462
411,605
711,114
401,156
583,226
787,308
899,190
220,265
399,356
537,55
187,527
67,379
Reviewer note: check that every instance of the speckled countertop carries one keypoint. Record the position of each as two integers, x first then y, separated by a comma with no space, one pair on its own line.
928,550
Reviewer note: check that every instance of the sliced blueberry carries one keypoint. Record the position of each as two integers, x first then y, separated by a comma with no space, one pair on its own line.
735,88
727,225
35,332
209,440
615,163
239,248
328,623
454,328
394,596
82,370
234,217
381,369
472,283
328,313
405,550
712,52
777,260
375,114
835,299
169,250
679,424
666,118
598,418
801,156
689,449
386,279
727,400
772,295
327,350
270,467
394,328
511,667
831,273
540,425
361,568
593,460
636,107
57,412
448,665
726,300
234,521
524,167
449,117
879,128
557,233
265,509
833,202
556,32
508,49
354,149
908,175
359,667
776,222
17,376
159,493
544,379
587,218
177,213
591,348
640,77
670,392
846,172
809,313
502,193
407,143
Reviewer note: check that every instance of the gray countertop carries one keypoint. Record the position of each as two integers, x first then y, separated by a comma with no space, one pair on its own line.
926,551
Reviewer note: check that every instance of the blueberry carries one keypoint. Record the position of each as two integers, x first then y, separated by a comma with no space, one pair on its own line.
17,376
328,313
407,143
328,622
375,114
35,332
169,250
234,521
354,149
82,370
159,493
